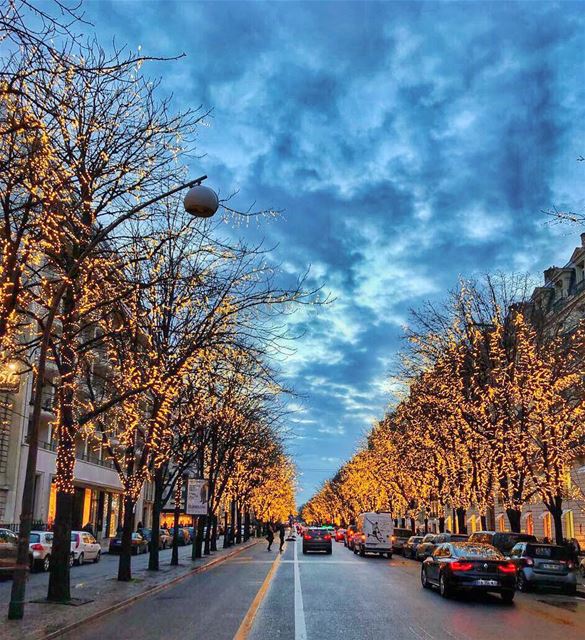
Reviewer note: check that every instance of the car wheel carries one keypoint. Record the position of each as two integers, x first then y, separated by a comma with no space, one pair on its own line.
389,555
570,590
522,583
304,551
423,579
31,564
444,588
71,560
329,551
508,596
98,556
80,559
46,562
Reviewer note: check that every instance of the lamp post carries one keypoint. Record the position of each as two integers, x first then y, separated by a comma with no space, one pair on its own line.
200,201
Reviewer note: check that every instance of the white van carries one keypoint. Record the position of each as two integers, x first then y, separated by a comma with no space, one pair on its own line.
376,529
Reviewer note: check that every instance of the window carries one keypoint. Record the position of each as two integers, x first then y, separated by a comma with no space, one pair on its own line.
569,525
529,524
547,525
501,522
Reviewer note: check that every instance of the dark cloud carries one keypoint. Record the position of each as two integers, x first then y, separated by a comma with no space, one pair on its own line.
409,143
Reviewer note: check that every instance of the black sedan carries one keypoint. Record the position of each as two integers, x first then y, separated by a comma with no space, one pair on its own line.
315,539
458,566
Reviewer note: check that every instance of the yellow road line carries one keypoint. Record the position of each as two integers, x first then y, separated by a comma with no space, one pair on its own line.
248,621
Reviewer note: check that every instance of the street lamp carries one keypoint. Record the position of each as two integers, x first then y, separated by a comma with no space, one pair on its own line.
201,202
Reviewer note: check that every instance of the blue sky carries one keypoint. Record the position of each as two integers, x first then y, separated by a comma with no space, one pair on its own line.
408,143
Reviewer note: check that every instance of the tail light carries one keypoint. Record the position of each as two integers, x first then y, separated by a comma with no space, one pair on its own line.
569,564
528,562
36,547
508,567
363,537
461,566
327,537
393,538
306,536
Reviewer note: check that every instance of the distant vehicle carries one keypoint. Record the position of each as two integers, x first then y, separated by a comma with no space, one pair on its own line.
502,540
139,544
426,546
544,565
8,551
349,533
85,547
340,535
401,536
164,537
409,547
40,544
317,539
458,566
376,530
184,536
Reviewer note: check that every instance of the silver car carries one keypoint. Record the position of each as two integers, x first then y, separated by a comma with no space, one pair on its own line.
8,550
544,565
40,544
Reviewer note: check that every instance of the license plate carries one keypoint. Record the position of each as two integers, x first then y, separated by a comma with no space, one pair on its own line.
549,566
486,583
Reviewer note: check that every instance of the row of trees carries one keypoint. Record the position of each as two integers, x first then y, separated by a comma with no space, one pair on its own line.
154,331
492,409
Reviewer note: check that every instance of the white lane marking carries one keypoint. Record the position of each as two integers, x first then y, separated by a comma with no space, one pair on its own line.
300,626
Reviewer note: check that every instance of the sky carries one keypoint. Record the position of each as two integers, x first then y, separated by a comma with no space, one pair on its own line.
408,145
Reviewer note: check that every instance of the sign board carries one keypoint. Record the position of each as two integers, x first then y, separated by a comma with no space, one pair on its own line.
197,497
9,378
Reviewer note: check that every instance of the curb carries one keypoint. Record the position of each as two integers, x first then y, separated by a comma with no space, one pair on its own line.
148,592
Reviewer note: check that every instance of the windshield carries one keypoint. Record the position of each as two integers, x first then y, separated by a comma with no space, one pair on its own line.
34,537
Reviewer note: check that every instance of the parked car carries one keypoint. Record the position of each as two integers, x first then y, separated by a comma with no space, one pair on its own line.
458,566
400,538
84,547
502,540
426,546
376,529
544,565
409,547
317,539
8,551
40,544
139,544
355,538
340,535
582,568
184,536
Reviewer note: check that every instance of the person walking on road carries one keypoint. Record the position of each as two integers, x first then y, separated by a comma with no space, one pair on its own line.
270,536
281,533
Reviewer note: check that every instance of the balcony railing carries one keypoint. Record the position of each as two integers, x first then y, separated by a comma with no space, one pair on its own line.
86,457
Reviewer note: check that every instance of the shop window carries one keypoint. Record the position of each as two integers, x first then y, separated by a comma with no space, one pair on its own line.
547,525
501,521
529,524
569,525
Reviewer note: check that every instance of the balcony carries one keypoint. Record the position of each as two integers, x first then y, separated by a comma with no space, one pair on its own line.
85,457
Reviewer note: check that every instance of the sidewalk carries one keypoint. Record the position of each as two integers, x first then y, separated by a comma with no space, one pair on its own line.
46,621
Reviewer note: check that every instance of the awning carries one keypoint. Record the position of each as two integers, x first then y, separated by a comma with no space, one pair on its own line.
525,515
567,511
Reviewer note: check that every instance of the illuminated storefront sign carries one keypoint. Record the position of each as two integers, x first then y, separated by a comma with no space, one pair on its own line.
9,378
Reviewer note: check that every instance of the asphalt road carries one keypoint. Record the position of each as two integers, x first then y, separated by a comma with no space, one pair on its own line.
344,596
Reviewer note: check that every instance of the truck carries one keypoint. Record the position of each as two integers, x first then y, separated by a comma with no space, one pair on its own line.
376,529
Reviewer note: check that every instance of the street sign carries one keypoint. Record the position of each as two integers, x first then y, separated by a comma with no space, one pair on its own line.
197,496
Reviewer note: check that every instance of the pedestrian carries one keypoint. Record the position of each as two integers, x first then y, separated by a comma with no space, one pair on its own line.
281,533
139,527
270,536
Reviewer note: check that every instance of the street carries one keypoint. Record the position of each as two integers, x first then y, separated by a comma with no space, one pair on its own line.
342,595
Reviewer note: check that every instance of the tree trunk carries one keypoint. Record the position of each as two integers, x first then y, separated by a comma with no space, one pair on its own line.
426,521
514,518
125,562
233,522
153,559
200,526
175,553
461,526
226,538
208,534
483,519
59,590
403,523
556,510
239,525
442,524
214,535
246,525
